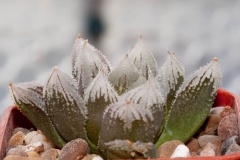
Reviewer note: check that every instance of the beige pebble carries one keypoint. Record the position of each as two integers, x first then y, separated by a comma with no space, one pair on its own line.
36,146
12,157
193,145
50,154
28,137
33,154
166,149
214,140
211,124
75,149
16,139
24,130
38,136
17,152
203,140
208,150
20,146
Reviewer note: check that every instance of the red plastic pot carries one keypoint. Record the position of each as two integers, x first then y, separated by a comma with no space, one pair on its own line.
13,118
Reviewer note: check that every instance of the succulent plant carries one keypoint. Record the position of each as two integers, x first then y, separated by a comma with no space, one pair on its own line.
125,112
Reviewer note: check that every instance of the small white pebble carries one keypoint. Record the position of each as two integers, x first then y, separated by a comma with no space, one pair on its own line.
37,147
37,136
181,151
217,110
28,137
97,158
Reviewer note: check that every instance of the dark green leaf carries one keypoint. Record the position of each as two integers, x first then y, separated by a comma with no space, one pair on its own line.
28,97
86,61
142,58
171,77
125,120
149,97
192,104
64,106
98,96
123,76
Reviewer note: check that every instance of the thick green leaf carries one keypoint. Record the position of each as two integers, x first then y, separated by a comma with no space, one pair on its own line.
149,97
171,77
123,76
28,97
140,81
143,59
98,96
126,121
192,104
86,62
65,106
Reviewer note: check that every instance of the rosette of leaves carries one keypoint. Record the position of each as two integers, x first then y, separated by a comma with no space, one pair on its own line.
124,112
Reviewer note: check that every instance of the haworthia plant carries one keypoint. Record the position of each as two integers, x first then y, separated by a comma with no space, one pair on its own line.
127,112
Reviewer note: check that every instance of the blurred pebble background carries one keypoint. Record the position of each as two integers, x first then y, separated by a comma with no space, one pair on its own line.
37,35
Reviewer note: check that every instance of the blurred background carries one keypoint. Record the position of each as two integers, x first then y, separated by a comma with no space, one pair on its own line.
37,35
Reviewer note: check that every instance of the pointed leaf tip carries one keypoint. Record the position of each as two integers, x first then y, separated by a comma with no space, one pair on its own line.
128,102
100,87
170,53
141,56
86,63
102,70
